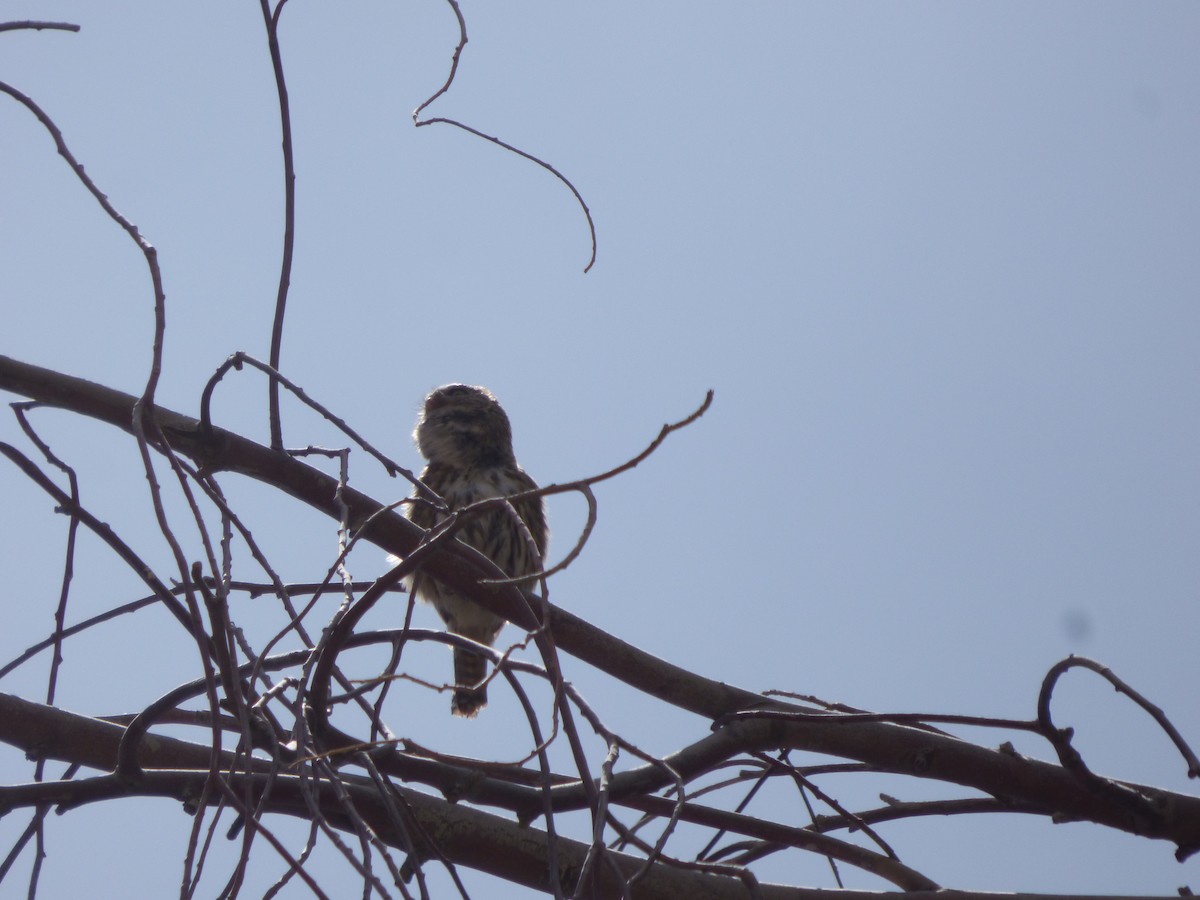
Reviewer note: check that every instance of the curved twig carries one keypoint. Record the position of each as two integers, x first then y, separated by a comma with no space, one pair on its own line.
583,486
240,358
419,123
1141,807
587,213
1121,687
454,58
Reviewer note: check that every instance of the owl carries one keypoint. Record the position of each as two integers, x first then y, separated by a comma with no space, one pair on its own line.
465,435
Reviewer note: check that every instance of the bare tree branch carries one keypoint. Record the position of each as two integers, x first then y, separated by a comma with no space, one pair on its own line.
499,846
884,746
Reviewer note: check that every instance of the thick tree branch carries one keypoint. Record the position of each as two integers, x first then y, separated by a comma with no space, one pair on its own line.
884,746
464,835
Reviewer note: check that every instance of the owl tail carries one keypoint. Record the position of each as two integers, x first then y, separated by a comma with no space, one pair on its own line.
469,669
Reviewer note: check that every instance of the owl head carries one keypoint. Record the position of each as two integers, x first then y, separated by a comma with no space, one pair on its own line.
462,425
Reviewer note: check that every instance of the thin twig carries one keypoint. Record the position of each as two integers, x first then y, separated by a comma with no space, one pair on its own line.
271,21
38,26
419,122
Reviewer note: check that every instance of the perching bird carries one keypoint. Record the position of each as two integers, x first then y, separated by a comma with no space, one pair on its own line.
466,437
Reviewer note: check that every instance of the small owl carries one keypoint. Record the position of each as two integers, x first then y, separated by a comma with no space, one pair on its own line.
465,435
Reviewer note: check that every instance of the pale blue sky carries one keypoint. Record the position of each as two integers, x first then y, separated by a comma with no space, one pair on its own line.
938,261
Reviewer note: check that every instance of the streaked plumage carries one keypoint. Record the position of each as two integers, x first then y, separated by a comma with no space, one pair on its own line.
466,437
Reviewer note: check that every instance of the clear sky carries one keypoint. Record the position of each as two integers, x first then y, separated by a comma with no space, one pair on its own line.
939,262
